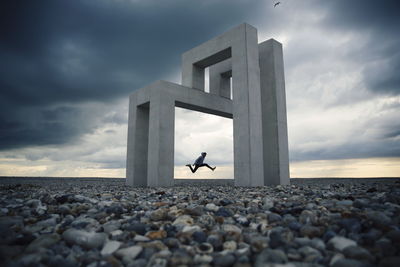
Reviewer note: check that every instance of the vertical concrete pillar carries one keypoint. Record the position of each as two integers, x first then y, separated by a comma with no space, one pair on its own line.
138,131
247,130
276,155
220,78
161,140
193,76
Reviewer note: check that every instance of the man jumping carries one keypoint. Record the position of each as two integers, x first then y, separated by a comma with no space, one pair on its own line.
199,163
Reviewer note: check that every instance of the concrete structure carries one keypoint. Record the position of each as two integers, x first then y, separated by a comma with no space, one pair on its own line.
257,107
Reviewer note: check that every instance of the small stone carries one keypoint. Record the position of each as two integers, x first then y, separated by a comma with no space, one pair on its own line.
183,220
211,207
110,247
268,203
308,217
345,203
156,244
115,209
194,211
141,238
360,203
204,248
243,220
276,239
318,244
62,199
199,236
340,243
116,233
357,253
137,227
159,214
43,241
216,241
371,237
83,238
229,245
111,226
335,258
202,259
225,202
224,212
310,231
274,217
83,222
231,228
351,225
302,241
328,235
310,254
171,242
379,219
268,256
190,229
160,204
180,257
206,221
224,260
154,262
258,243
130,252
157,234
64,209
295,226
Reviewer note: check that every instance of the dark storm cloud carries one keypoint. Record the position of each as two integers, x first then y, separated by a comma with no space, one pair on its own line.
380,55
61,52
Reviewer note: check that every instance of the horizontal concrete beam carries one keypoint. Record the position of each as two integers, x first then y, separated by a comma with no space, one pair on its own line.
185,97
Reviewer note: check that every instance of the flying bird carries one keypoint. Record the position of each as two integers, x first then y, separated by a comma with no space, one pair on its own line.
276,4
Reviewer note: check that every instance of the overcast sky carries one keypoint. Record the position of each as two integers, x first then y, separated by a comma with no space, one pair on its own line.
67,68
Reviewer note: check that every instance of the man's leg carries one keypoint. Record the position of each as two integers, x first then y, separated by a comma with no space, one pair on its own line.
208,166
195,167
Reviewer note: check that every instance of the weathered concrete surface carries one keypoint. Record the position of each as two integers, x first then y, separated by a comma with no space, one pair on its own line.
273,99
233,54
151,129
220,78
274,122
241,45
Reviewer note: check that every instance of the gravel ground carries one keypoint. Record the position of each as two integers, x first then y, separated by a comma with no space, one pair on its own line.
100,222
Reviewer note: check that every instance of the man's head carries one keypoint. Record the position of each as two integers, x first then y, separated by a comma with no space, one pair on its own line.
203,154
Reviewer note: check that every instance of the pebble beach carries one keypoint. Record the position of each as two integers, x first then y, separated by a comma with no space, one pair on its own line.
101,222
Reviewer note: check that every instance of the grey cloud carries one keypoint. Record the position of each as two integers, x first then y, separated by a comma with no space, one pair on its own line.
63,52
380,55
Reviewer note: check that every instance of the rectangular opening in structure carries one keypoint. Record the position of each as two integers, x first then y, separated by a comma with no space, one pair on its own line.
197,132
230,87
207,80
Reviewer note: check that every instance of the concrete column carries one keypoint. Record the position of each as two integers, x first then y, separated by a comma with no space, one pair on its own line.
276,155
193,77
247,130
220,82
138,130
160,170
220,78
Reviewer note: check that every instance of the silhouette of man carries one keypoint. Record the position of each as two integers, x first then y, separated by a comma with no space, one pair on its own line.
200,163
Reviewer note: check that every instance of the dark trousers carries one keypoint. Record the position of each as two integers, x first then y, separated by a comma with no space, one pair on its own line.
198,166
